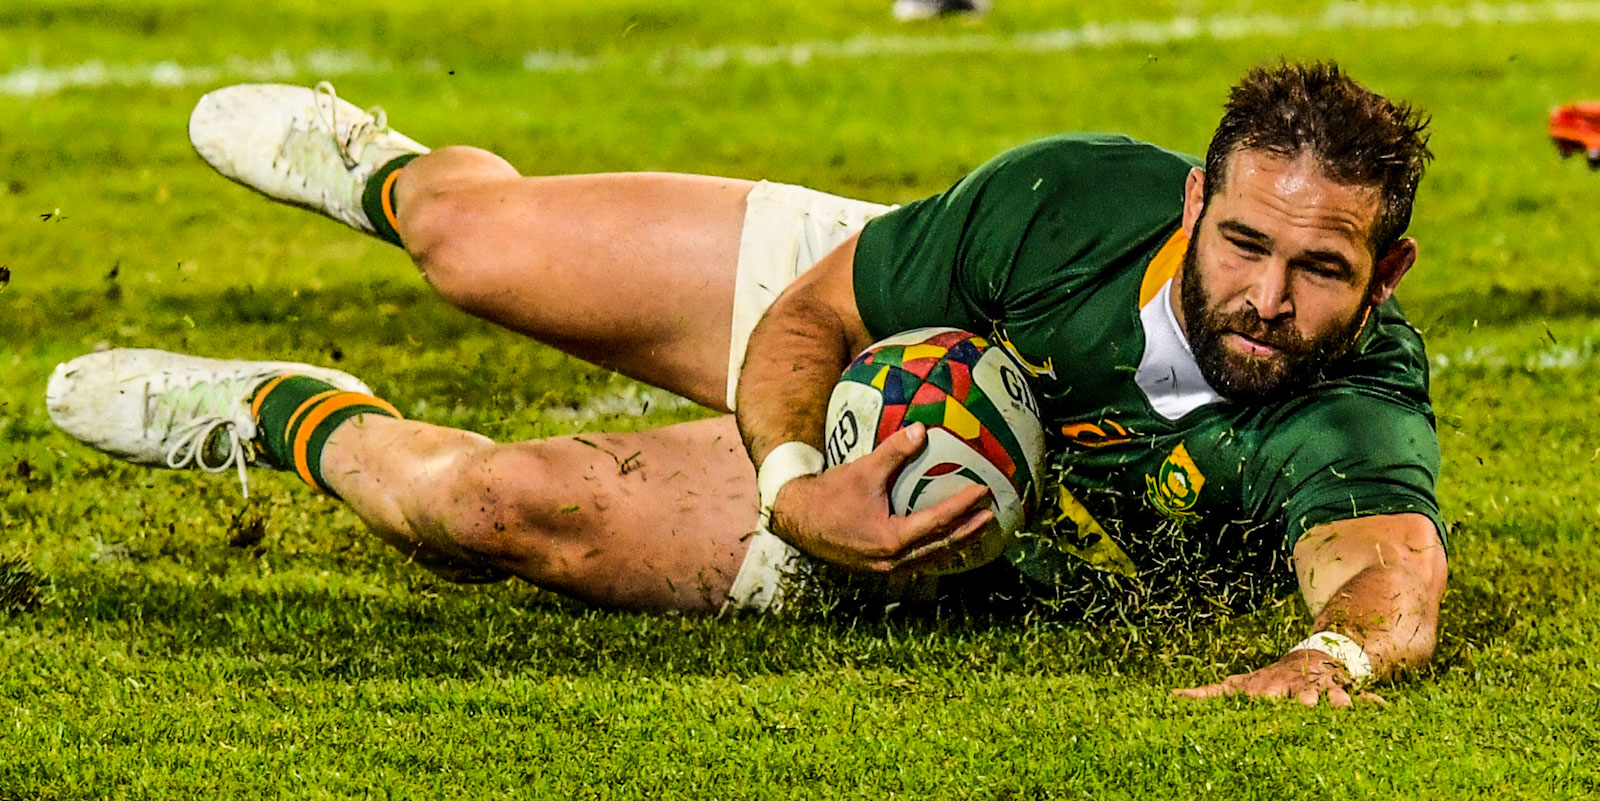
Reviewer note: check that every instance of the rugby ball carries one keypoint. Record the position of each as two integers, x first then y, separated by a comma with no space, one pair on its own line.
981,418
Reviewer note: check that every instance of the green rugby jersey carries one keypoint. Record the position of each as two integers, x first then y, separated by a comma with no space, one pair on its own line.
1065,250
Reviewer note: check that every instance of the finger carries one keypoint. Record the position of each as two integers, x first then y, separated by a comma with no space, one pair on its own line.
886,459
1232,685
1308,696
940,549
1372,698
1237,683
1339,698
1208,691
917,539
964,527
944,516
1260,685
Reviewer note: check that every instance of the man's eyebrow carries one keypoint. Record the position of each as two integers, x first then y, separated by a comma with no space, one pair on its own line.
1242,230
1331,257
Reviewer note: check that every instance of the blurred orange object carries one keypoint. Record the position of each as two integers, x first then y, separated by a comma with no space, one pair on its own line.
1575,127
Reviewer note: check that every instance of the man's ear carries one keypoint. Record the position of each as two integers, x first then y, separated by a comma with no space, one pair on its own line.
1194,200
1392,267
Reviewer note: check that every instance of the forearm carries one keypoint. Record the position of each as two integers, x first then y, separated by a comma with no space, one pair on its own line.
1378,581
841,515
1374,585
1391,611
794,359
795,355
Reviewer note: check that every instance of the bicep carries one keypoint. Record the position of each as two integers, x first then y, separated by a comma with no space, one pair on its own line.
1329,555
827,290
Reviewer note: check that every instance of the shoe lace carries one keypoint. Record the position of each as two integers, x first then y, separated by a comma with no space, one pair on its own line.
194,413
360,133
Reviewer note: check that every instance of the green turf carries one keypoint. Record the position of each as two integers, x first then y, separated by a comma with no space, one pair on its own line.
159,638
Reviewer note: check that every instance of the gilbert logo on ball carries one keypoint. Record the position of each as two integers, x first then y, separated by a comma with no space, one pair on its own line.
982,421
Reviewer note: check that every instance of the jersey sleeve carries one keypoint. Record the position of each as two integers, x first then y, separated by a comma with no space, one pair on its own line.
1343,457
939,260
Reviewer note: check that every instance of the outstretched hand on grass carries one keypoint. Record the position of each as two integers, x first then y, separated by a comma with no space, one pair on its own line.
1308,676
843,515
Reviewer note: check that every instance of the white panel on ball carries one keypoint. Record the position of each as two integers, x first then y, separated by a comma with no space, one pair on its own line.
915,489
853,412
1003,383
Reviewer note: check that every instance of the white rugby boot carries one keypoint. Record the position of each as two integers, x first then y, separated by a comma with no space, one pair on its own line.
168,409
306,147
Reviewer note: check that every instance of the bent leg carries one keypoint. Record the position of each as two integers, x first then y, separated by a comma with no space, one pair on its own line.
634,272
653,520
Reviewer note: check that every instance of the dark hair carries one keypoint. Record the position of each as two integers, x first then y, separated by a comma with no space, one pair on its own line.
1358,137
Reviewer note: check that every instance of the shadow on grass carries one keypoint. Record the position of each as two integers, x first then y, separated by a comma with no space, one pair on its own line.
19,587
1506,588
422,628
1498,305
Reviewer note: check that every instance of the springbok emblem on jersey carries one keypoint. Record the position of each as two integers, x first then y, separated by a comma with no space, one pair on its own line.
1175,489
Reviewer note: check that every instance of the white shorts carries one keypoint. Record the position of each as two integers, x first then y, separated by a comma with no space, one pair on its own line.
786,230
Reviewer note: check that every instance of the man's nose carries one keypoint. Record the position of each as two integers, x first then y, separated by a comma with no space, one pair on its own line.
1268,292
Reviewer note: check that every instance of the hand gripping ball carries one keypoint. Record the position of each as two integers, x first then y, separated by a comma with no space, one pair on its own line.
981,417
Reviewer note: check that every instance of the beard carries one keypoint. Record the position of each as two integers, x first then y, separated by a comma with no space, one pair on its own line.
1298,363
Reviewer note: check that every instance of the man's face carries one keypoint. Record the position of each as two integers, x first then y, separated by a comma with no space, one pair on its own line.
1279,274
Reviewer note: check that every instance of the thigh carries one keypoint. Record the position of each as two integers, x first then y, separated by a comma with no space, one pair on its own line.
633,271
658,276
656,519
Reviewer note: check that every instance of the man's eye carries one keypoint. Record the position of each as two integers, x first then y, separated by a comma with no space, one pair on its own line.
1322,270
1246,246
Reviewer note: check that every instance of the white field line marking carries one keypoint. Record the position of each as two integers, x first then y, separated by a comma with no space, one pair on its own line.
31,82
36,81
1549,358
1338,16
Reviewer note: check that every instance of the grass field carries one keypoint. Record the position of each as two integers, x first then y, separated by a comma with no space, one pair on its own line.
161,638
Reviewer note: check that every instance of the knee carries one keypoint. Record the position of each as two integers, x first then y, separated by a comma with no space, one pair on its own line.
447,220
439,234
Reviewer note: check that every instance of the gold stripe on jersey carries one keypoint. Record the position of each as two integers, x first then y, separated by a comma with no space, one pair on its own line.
1163,266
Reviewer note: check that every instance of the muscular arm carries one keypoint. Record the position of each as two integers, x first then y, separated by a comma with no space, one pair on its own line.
1377,580
794,358
796,353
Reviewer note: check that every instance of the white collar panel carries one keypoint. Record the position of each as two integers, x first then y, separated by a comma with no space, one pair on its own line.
1168,375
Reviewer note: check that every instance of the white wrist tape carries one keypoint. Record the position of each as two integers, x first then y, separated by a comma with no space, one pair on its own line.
785,463
1347,651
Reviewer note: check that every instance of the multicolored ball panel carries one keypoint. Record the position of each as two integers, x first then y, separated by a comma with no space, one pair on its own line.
982,421
930,381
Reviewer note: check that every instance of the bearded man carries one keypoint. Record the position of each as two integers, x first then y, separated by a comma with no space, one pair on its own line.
1233,399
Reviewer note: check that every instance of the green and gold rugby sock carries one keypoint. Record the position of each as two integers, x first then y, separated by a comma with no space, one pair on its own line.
296,414
377,198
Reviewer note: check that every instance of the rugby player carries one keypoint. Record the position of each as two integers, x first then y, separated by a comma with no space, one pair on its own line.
1233,396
